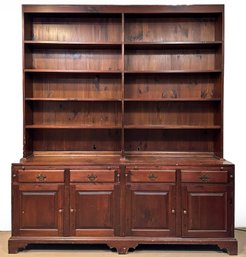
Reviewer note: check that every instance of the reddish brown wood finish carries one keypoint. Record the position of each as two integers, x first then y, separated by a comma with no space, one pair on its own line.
92,210
150,210
204,176
123,128
207,211
39,209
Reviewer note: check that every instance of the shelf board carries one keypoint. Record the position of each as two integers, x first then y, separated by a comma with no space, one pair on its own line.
171,71
74,44
126,100
94,126
119,72
170,45
73,71
172,126
172,100
72,99
72,126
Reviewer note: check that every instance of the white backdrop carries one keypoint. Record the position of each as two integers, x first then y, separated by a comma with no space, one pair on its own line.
11,93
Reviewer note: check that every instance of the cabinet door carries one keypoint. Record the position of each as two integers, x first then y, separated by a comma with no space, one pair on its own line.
93,209
150,209
38,210
207,210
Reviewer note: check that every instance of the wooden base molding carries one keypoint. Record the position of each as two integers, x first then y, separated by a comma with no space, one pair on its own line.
122,245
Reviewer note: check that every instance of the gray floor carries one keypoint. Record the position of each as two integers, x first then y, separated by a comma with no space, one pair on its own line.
141,251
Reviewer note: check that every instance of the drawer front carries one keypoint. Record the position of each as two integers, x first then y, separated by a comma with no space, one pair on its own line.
40,176
204,176
92,176
153,176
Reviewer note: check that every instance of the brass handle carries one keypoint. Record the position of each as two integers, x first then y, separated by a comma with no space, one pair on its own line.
185,212
204,178
41,177
152,177
92,177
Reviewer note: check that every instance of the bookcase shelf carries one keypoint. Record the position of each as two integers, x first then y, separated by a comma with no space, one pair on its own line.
71,44
150,126
75,126
172,99
72,71
73,99
191,71
173,45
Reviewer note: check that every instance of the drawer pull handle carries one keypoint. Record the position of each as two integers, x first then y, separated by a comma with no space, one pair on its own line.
204,178
185,212
173,211
92,177
41,177
152,177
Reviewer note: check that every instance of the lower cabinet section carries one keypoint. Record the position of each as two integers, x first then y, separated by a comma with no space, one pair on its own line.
122,207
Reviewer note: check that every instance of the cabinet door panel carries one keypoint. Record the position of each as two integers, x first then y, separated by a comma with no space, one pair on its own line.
93,211
207,210
39,210
150,210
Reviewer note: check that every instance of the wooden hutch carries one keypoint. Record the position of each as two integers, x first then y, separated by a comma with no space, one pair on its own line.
123,128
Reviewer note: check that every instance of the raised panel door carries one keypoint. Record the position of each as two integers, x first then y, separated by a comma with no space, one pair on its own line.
93,210
207,211
150,209
38,210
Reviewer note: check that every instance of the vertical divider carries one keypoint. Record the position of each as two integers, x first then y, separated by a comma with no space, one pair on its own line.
122,86
221,144
24,85
66,204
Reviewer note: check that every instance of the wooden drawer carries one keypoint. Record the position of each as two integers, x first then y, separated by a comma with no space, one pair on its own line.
204,176
155,176
92,176
40,176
